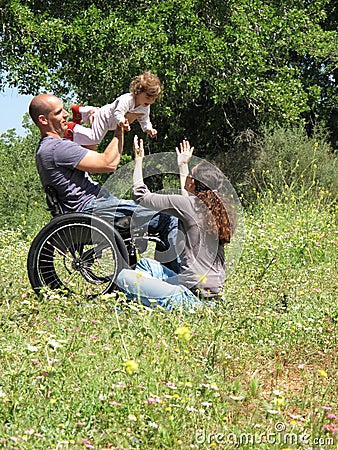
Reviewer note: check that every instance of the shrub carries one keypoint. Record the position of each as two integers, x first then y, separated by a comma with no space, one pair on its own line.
21,196
288,162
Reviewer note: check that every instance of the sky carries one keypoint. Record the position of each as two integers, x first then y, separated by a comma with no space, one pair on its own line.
12,109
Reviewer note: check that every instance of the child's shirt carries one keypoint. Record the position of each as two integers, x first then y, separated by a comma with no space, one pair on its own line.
126,103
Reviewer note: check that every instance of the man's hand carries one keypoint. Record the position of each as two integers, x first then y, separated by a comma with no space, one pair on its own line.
125,125
131,117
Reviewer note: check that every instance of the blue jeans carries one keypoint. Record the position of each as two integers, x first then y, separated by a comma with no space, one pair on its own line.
155,285
112,208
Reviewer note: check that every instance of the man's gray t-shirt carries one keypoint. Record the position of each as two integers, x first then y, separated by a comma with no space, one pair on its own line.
56,161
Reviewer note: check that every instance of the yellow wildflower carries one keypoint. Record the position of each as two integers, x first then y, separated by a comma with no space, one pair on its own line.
202,278
322,373
131,366
183,333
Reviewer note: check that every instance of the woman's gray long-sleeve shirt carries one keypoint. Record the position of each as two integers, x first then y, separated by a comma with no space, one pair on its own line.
202,256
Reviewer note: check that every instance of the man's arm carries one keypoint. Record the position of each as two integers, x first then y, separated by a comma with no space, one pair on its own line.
107,161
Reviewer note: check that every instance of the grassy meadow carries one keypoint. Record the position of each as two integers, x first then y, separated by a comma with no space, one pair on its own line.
260,370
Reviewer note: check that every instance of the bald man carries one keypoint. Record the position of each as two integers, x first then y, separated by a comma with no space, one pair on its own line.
65,166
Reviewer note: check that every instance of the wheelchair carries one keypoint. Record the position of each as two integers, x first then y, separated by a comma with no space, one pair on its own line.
82,253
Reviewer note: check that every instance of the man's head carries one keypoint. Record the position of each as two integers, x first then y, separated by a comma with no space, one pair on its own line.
49,115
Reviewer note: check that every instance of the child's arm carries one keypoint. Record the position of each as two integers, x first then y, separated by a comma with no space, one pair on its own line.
146,124
152,132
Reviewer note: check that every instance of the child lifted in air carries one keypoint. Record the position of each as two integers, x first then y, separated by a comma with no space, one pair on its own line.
144,90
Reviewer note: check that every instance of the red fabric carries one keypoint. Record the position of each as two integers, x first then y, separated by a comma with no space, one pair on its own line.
77,117
69,132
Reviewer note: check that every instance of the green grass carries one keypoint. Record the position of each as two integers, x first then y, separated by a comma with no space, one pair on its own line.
259,371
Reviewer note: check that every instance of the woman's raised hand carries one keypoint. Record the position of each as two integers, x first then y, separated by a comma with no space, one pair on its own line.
138,147
184,153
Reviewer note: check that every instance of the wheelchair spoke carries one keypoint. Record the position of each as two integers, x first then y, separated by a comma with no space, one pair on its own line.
80,255
60,251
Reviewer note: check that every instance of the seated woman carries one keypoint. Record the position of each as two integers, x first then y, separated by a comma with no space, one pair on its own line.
205,224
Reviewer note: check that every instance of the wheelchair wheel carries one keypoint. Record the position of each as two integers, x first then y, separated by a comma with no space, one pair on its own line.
78,252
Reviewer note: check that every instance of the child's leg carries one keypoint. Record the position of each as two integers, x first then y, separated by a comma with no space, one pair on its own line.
69,134
87,112
83,135
94,134
82,113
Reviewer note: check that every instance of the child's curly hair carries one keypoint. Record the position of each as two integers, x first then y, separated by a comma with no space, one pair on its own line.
146,82
221,220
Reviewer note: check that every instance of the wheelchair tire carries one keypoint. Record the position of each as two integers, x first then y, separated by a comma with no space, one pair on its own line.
78,252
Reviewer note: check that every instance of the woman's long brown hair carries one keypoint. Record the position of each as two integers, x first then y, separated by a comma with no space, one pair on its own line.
221,221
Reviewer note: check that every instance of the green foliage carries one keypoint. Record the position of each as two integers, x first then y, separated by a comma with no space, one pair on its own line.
277,163
289,163
21,198
77,373
226,65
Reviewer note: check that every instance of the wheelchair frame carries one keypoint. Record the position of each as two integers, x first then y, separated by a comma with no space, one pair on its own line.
81,252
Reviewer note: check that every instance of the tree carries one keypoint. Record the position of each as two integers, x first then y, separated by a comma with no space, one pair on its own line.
226,65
